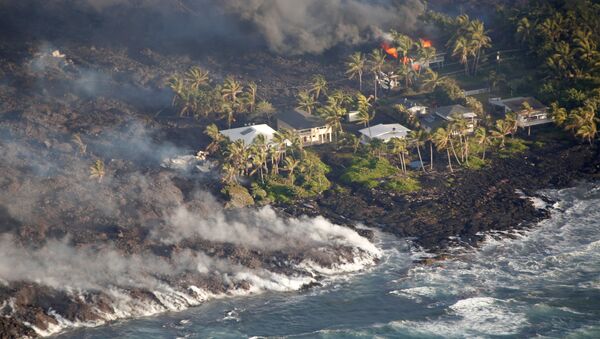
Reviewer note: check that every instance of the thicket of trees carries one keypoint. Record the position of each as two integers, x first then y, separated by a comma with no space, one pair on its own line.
279,170
195,95
562,37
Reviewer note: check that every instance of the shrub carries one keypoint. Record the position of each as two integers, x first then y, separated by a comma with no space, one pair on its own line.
238,196
368,172
403,184
475,163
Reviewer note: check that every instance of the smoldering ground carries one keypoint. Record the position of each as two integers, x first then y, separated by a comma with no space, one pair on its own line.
286,27
131,213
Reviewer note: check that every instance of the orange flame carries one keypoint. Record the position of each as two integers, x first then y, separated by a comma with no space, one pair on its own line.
390,50
406,60
426,43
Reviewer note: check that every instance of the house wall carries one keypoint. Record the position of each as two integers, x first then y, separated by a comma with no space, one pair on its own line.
311,136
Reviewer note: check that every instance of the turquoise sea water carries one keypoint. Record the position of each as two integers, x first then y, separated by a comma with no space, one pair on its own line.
543,283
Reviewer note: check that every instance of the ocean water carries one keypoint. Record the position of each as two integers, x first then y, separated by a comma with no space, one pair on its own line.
543,282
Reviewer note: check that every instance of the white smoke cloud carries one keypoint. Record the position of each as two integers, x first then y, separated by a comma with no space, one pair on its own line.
258,228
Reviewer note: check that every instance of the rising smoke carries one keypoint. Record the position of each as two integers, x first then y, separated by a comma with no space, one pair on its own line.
284,26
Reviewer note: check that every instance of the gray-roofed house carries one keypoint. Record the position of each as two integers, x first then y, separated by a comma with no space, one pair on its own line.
383,132
452,112
312,129
538,114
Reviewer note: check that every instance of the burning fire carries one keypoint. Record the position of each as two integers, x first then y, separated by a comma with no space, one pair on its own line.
426,43
390,50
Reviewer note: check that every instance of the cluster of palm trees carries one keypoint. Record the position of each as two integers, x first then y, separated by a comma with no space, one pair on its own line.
261,160
468,42
457,140
565,41
411,55
581,121
195,95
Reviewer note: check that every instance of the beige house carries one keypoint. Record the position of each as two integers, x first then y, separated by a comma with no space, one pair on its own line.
312,129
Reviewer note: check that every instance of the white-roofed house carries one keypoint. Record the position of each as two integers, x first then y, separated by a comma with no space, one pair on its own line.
249,133
383,132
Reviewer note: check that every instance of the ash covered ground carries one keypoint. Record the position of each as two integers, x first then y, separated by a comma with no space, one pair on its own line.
81,82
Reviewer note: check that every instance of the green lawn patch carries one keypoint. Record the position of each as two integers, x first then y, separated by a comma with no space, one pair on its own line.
403,184
368,172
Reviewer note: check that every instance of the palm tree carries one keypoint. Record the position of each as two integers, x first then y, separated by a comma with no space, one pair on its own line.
237,154
511,122
230,173
266,109
429,137
306,101
399,148
376,61
250,96
418,140
340,98
197,77
527,110
442,139
212,131
404,43
355,67
278,149
462,49
260,157
432,81
230,91
333,114
587,131
177,85
318,86
562,61
228,113
503,128
495,79
482,137
524,30
582,121
559,114
587,48
80,144
364,106
479,40
290,166
97,170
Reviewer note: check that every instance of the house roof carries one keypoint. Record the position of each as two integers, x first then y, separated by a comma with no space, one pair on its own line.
248,133
447,112
516,104
301,120
385,131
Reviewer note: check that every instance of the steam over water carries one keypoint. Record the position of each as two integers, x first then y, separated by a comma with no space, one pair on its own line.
545,282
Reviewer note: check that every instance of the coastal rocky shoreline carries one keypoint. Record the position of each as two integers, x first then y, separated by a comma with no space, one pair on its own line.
457,209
